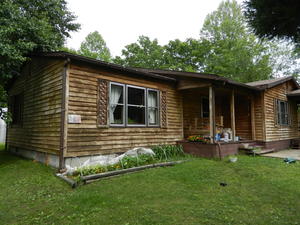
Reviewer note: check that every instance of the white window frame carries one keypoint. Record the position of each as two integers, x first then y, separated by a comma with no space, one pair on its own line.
158,108
124,104
145,102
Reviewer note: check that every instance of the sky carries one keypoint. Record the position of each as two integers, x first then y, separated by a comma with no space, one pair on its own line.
121,22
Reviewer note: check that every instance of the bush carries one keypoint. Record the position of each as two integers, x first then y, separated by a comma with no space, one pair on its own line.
165,152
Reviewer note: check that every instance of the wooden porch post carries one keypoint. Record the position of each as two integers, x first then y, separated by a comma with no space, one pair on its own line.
212,116
253,118
232,113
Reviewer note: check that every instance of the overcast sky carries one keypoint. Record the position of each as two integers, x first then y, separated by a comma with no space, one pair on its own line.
120,22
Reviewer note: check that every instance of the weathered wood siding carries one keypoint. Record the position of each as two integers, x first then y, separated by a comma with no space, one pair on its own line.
258,117
273,131
89,139
41,83
243,117
193,123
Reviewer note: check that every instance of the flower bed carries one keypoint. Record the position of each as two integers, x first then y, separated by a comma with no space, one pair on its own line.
163,156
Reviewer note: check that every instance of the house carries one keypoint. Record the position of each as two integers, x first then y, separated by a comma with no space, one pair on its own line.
67,106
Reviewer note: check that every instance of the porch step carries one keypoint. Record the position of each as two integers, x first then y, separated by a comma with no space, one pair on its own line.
265,151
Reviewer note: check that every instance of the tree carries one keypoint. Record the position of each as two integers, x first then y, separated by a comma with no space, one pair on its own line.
145,53
27,26
274,18
234,51
184,55
95,47
176,55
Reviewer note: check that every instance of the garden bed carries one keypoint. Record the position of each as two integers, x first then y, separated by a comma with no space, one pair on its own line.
164,155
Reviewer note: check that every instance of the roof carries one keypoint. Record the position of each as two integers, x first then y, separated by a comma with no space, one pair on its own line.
113,66
294,93
166,75
205,76
264,84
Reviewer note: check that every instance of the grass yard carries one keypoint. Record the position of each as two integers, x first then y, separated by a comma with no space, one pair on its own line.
259,191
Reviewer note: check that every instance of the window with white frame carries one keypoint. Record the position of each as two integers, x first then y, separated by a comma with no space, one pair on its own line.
282,112
133,106
117,102
153,110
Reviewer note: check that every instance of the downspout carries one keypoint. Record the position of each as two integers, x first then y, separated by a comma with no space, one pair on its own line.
64,112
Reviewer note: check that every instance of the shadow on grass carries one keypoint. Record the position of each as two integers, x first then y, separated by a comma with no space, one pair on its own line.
6,158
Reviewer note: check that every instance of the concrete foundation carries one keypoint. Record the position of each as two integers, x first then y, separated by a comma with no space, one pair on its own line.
46,158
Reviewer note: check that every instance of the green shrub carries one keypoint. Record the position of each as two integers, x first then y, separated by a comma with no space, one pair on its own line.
165,152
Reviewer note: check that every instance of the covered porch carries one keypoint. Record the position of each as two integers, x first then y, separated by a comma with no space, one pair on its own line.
223,115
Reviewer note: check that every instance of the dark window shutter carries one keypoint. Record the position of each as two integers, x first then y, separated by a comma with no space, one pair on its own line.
276,112
102,103
163,107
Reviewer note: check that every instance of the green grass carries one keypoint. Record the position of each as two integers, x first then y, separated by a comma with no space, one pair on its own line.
259,191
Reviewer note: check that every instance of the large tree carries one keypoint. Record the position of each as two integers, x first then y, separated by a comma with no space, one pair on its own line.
274,18
31,25
234,51
175,55
144,53
95,47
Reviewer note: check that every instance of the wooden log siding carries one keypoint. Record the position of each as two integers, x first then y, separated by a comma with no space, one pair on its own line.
88,138
243,117
274,131
41,85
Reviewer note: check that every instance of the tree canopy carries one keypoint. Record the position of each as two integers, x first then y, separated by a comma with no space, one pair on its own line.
30,25
95,47
145,53
234,51
226,46
274,18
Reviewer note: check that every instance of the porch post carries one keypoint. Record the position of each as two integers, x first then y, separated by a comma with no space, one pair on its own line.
232,113
212,116
253,117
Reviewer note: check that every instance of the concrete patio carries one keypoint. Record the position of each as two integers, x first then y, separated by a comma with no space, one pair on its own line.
291,153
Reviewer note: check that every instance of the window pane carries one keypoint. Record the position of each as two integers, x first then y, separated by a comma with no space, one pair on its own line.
136,115
153,116
152,99
116,114
136,96
116,94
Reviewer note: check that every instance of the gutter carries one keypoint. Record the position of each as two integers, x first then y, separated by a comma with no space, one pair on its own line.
64,112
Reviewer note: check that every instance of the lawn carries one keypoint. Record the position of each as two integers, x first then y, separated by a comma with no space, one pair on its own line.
259,191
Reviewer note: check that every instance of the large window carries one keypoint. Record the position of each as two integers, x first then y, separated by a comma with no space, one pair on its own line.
282,112
133,106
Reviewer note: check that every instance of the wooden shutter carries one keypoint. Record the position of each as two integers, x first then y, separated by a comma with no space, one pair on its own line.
276,112
163,109
102,103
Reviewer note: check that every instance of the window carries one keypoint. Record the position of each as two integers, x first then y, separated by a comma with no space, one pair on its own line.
204,107
17,102
153,110
282,112
137,106
116,109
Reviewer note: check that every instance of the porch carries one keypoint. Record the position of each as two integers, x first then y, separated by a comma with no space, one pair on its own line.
223,115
